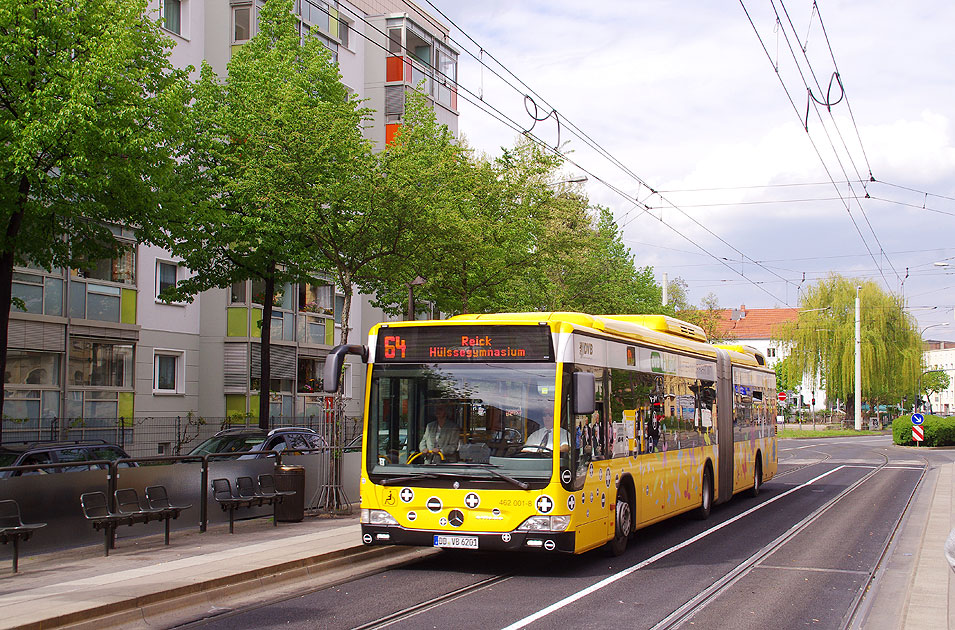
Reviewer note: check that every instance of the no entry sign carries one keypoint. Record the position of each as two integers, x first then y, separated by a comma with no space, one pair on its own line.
781,396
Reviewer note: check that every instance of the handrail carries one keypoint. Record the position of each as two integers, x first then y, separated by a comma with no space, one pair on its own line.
112,467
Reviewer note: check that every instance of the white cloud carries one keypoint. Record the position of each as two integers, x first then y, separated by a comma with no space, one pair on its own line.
687,98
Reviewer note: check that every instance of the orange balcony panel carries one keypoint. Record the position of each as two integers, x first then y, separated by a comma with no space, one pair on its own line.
394,68
391,130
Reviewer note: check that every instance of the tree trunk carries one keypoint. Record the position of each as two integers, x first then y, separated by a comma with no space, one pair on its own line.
265,354
6,284
348,291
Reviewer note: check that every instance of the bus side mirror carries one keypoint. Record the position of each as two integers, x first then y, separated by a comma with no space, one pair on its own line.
585,388
332,372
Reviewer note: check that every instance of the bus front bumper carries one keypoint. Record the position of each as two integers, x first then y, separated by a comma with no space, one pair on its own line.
477,541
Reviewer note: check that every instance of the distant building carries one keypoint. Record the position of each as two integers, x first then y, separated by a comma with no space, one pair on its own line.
757,327
940,355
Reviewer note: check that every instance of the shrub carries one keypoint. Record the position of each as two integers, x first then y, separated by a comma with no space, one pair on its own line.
938,431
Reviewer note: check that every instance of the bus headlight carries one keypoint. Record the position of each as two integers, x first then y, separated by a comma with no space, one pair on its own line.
377,517
545,524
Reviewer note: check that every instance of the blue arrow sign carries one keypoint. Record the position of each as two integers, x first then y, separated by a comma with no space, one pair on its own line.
917,418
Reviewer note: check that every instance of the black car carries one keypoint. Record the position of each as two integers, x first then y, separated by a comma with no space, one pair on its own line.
77,453
236,440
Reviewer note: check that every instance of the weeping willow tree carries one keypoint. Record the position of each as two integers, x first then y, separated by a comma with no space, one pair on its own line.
822,341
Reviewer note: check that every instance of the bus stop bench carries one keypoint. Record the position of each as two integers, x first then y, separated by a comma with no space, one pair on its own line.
129,512
246,495
13,529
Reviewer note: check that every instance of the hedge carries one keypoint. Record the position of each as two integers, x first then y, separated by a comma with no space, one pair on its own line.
938,431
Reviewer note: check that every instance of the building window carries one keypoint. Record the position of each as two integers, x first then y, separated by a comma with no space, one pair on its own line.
40,294
172,16
343,26
96,363
167,273
770,353
242,23
168,372
316,298
237,293
120,269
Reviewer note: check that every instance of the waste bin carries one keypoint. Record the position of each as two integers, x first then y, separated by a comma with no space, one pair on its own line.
292,507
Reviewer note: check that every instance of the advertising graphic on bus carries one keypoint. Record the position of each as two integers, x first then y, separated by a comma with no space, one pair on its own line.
554,431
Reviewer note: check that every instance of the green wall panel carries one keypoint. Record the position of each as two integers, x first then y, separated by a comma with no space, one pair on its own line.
126,408
237,322
234,404
128,306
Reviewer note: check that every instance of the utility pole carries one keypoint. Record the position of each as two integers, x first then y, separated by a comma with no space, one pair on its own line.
858,389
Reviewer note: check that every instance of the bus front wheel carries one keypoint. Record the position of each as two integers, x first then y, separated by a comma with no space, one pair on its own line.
624,523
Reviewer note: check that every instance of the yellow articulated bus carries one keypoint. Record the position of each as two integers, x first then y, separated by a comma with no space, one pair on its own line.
553,431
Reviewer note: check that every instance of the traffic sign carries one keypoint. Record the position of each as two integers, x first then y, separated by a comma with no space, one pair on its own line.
781,396
917,418
918,433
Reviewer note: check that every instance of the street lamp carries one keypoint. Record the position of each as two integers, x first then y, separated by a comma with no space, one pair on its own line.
573,179
417,282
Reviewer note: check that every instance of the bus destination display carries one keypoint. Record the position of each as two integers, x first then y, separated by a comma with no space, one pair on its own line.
429,344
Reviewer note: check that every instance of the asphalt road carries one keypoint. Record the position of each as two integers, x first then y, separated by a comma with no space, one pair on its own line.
800,554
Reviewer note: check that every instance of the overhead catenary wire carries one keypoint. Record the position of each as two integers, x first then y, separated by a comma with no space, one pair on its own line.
623,222
483,105
809,136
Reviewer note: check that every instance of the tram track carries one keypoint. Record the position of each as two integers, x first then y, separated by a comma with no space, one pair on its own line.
421,607
688,610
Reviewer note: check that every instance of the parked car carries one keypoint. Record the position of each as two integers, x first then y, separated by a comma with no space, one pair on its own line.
37,453
235,440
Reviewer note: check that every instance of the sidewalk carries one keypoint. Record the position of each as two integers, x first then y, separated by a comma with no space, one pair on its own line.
144,583
915,588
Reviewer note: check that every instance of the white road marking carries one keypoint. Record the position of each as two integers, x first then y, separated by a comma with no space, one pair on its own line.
663,554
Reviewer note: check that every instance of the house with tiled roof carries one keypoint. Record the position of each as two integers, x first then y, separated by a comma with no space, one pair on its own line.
757,327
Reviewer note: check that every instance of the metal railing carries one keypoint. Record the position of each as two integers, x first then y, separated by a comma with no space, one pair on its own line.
168,435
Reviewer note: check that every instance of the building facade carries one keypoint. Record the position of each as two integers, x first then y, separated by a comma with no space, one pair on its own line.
940,355
757,327
96,346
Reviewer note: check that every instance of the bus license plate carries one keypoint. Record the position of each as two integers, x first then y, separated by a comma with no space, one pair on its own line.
456,542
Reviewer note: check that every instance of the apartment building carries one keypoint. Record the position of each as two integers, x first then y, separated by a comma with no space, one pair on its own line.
940,355
95,344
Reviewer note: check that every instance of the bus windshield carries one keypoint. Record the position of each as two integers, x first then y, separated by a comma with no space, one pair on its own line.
475,421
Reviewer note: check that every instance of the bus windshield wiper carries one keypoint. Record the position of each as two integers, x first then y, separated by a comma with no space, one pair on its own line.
396,480
490,468
523,485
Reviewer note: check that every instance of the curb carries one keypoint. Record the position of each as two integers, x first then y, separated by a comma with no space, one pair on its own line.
181,604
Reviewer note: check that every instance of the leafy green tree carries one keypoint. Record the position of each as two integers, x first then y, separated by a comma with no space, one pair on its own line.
788,376
822,340
275,141
934,381
89,112
583,265
476,220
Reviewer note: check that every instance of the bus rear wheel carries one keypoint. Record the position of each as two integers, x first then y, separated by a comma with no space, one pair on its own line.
706,504
624,523
757,478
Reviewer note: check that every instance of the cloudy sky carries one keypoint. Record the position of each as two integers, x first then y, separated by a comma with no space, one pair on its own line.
678,107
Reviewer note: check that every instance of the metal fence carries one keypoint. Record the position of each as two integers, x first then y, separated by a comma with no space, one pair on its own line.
170,435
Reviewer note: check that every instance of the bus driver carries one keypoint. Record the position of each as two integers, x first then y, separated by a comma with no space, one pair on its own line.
441,434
